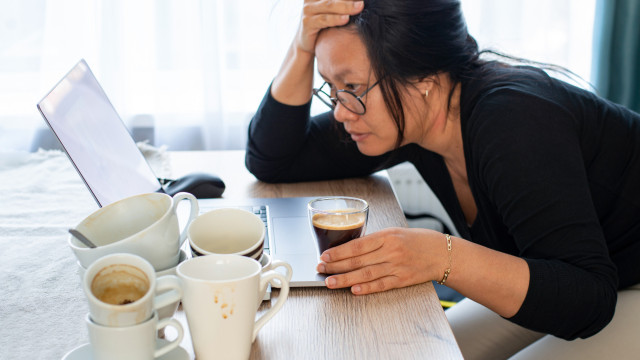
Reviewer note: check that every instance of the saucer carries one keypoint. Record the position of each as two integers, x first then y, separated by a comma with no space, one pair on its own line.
83,352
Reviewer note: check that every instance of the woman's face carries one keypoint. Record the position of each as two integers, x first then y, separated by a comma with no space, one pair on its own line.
343,63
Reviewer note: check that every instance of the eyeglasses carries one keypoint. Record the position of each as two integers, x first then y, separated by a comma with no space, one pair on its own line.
348,99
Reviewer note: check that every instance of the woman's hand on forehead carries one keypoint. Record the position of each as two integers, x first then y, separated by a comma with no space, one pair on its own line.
321,14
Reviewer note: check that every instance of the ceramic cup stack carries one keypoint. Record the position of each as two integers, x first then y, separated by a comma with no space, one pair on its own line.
124,295
145,225
129,278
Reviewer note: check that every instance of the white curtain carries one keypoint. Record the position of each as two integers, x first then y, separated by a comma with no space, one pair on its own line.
190,73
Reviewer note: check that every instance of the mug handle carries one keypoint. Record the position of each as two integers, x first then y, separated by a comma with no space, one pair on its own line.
288,271
164,283
193,212
173,344
265,278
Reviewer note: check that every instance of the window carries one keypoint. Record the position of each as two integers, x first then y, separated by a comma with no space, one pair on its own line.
196,70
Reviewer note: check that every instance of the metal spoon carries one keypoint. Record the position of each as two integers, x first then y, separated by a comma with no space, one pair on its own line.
78,235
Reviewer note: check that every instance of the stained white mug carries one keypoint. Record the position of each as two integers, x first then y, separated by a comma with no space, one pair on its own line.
135,342
122,290
145,225
227,231
219,300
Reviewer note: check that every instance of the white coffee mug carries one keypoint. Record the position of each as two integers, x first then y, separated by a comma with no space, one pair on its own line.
145,225
268,264
122,290
136,342
163,312
227,231
219,301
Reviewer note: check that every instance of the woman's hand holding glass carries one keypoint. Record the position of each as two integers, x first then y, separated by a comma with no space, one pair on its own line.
387,259
320,14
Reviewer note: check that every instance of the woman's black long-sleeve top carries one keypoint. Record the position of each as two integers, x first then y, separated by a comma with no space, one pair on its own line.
554,171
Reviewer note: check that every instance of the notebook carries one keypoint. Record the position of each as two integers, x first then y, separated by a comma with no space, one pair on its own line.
112,167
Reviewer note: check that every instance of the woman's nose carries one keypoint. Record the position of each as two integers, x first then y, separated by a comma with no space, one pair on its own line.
342,114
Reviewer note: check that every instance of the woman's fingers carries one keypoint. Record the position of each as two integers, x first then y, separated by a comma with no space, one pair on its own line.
367,274
339,7
317,15
378,285
348,264
318,22
356,247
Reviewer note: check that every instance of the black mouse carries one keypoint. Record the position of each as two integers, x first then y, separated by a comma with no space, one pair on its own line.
201,185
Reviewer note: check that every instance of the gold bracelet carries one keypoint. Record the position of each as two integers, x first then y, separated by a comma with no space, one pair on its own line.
448,271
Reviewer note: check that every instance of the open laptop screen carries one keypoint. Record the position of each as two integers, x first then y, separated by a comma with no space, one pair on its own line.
95,138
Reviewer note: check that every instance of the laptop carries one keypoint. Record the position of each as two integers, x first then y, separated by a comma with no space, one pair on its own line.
112,167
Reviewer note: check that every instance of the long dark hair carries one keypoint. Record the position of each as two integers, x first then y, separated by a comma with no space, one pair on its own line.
414,39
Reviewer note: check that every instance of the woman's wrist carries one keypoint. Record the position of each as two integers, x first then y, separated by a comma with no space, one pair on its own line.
447,271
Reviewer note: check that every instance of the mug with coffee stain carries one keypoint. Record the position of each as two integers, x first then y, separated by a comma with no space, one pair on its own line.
122,290
220,293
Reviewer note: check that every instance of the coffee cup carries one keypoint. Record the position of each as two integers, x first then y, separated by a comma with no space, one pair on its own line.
219,302
135,342
337,220
145,225
268,264
227,231
122,290
163,312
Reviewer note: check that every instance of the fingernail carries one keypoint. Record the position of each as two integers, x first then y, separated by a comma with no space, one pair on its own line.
356,289
358,4
330,282
321,269
325,257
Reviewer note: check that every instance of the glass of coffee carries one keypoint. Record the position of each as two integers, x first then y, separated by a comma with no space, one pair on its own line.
336,220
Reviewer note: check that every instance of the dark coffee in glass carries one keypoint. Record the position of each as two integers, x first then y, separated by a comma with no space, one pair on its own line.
337,220
336,229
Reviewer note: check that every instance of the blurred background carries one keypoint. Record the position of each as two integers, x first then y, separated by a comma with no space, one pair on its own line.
189,74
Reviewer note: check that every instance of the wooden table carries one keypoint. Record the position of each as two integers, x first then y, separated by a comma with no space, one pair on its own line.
318,323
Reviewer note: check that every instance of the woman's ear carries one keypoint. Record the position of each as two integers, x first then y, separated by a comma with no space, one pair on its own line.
426,84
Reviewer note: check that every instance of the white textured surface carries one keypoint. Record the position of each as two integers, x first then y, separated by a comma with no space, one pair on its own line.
42,306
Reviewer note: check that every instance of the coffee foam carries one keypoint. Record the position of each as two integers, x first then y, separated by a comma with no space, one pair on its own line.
120,284
339,221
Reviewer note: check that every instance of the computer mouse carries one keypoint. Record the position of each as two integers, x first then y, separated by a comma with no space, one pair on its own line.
201,185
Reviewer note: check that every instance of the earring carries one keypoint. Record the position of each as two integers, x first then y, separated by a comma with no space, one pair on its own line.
426,93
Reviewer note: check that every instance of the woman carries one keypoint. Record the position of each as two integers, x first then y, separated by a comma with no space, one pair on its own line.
540,177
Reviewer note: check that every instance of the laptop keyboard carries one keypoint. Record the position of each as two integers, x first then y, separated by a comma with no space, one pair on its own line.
261,211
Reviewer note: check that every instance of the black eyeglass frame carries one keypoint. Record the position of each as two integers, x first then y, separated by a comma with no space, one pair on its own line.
334,101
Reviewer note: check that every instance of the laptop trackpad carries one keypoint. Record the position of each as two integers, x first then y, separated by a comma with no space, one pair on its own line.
293,236
295,245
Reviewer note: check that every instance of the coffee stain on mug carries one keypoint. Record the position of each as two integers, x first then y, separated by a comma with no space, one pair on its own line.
224,298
